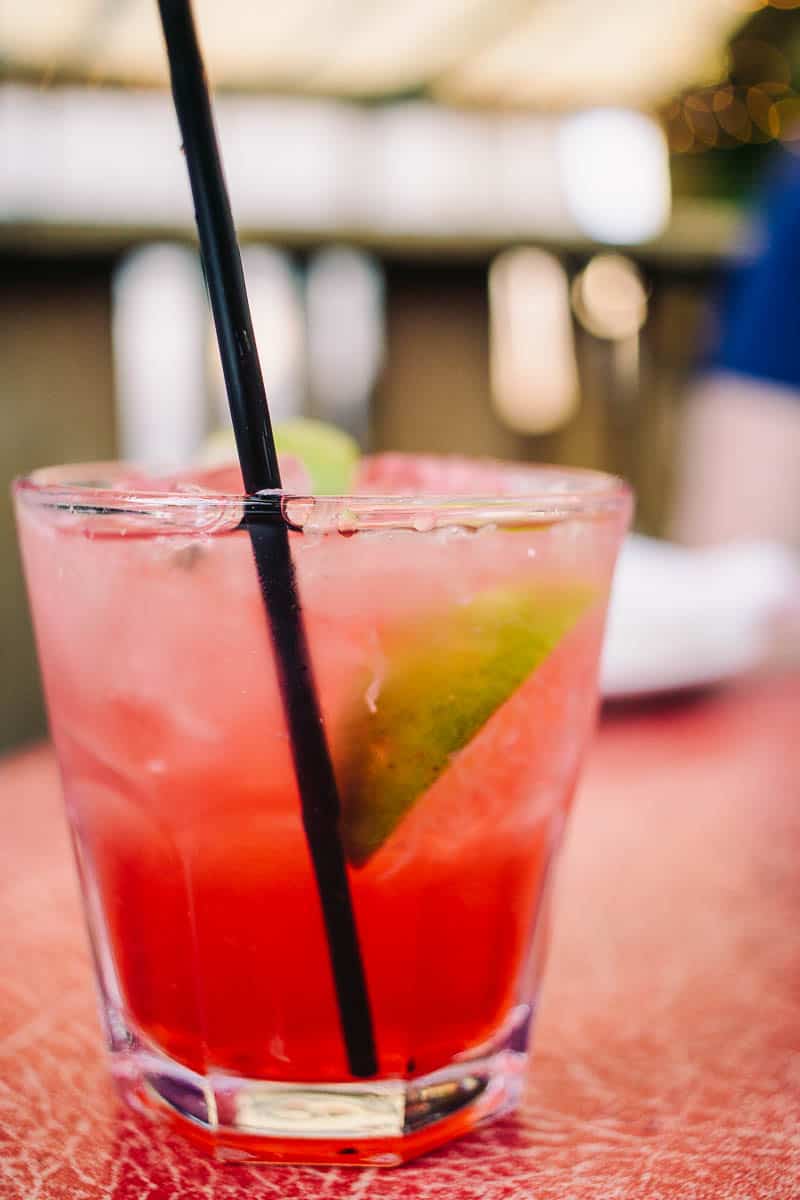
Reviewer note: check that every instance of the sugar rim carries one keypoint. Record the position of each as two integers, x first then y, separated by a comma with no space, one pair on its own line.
574,492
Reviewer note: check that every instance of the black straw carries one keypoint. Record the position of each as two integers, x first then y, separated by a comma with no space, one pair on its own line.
269,537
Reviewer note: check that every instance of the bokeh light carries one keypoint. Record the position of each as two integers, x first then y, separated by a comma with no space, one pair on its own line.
615,173
532,364
732,114
609,297
755,62
787,119
701,119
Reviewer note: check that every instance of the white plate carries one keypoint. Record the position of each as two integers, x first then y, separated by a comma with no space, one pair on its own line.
689,618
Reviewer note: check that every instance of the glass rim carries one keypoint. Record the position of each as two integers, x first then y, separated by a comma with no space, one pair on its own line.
573,492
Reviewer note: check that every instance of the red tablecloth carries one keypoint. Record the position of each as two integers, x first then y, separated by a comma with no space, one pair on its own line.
667,1055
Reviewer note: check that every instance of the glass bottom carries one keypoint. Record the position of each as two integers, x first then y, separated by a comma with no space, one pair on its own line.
378,1123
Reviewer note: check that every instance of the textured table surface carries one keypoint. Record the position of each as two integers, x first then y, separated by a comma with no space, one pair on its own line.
667,1055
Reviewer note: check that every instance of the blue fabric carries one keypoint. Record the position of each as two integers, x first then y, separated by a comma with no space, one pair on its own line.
759,311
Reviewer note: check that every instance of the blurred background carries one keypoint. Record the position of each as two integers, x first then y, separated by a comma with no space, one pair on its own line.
476,226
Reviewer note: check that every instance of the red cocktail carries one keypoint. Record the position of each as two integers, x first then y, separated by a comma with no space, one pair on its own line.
455,643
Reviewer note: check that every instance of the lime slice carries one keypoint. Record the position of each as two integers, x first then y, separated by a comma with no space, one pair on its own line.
445,677
329,455
218,449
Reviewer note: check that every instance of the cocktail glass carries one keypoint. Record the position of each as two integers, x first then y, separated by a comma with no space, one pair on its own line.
454,613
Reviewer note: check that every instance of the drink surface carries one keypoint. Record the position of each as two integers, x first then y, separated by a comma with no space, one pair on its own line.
177,768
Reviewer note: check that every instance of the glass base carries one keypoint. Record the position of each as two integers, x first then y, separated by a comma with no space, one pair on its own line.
379,1123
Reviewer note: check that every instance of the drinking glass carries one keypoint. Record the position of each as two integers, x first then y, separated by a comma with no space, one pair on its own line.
454,628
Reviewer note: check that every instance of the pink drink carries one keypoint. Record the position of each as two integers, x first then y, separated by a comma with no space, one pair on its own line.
168,722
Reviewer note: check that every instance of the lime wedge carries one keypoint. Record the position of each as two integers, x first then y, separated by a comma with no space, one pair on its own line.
329,455
218,449
446,675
